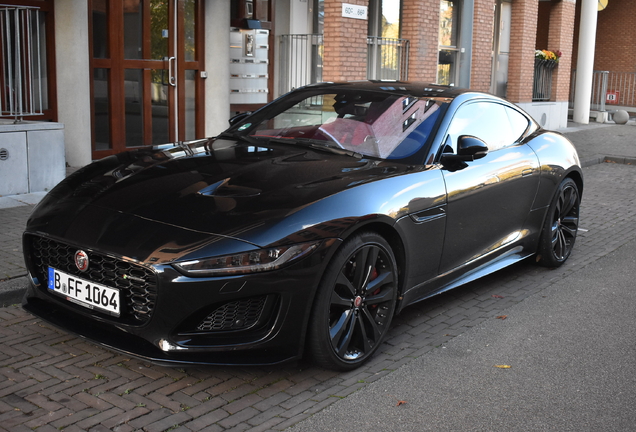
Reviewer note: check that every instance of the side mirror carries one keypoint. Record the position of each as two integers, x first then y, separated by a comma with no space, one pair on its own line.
240,116
469,148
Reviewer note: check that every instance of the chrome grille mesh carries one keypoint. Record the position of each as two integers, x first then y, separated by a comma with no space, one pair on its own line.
137,284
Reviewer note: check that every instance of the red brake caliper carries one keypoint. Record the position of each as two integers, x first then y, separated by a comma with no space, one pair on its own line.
374,275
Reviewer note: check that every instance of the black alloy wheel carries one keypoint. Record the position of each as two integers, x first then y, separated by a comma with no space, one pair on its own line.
561,225
355,303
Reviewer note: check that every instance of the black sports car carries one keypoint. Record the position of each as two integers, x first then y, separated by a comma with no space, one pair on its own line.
303,228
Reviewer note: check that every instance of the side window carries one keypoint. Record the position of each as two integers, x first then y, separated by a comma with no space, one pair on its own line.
497,125
518,123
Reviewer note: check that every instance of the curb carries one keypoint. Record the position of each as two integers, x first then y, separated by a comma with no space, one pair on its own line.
598,159
12,290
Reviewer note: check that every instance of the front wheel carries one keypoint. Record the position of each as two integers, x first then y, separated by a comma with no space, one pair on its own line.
561,225
354,304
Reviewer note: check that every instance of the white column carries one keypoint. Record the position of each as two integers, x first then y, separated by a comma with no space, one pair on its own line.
585,61
73,79
217,65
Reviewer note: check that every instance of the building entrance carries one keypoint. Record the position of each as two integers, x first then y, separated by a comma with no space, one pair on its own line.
147,63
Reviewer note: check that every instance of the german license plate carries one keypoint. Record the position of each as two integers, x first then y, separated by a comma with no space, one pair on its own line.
83,292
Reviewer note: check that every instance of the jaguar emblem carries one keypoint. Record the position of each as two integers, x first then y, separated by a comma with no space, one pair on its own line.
81,260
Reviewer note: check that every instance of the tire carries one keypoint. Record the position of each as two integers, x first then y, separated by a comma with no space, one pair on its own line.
354,304
561,225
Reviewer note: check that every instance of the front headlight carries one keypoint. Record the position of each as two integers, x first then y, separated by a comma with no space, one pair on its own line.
248,262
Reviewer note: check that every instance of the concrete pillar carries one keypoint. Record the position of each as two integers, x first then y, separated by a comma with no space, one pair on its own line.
73,79
585,61
217,65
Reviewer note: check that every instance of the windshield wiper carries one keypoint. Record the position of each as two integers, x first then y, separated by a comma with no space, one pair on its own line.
317,145
239,137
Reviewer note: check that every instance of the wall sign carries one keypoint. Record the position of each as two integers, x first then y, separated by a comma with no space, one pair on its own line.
612,97
354,11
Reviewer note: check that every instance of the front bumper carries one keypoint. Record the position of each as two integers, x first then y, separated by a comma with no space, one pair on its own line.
241,320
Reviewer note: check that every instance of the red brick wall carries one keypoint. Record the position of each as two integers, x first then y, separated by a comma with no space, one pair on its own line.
560,39
345,43
420,24
483,27
616,37
522,47
346,50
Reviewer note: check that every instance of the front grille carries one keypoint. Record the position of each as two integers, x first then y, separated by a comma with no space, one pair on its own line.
138,289
234,315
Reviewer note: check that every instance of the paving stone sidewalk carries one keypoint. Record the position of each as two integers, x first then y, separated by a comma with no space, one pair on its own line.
50,380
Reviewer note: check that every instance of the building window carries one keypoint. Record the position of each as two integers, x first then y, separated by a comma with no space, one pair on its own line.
384,18
27,90
447,65
387,53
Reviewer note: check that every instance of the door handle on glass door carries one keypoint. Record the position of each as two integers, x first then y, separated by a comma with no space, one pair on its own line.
172,80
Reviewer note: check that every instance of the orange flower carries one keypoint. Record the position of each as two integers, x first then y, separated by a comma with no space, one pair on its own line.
548,55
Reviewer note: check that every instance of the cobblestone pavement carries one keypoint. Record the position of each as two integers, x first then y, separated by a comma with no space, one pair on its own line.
14,220
50,380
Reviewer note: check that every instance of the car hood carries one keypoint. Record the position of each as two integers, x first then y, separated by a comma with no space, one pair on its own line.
216,187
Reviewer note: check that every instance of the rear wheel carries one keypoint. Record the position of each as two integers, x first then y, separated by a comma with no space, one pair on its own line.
561,225
354,304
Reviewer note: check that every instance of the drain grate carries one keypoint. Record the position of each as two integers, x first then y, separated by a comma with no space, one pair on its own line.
4,154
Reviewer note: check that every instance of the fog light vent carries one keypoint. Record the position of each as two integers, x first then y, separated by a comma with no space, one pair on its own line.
234,315
4,154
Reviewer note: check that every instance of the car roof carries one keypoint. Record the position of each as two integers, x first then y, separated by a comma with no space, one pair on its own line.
417,89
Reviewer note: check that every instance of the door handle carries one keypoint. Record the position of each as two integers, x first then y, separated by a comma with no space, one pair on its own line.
171,79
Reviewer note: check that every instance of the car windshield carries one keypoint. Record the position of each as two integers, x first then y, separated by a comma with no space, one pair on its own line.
377,124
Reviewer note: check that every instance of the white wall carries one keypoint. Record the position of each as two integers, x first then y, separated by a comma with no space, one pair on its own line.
35,156
292,17
217,65
73,79
300,20
550,115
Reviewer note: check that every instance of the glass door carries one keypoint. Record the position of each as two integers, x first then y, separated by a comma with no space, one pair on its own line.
146,70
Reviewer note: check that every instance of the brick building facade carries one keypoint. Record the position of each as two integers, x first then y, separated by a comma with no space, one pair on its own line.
483,32
418,19
614,79
615,49
345,42
532,25
87,59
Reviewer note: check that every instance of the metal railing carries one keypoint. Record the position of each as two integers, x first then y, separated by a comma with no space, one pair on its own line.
542,83
609,89
300,61
621,89
301,58
20,65
599,90
387,58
